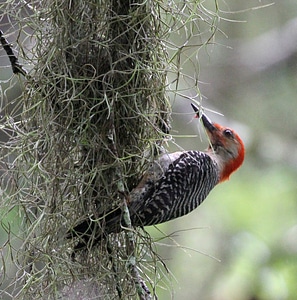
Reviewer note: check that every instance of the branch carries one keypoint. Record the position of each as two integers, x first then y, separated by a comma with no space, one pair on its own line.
140,286
16,66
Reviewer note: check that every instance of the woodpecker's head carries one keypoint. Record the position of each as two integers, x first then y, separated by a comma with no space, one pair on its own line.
225,147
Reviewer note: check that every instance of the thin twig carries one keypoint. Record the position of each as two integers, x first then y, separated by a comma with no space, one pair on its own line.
140,286
115,271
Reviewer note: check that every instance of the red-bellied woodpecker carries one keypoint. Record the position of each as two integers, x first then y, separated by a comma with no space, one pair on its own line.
175,184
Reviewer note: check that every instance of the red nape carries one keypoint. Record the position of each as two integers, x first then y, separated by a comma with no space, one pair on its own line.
235,163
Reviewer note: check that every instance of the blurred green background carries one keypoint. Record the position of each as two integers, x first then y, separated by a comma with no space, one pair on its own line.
243,238
241,244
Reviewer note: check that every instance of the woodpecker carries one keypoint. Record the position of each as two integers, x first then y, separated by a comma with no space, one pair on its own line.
174,185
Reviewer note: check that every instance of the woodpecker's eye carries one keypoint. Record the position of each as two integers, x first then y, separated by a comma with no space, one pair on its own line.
228,133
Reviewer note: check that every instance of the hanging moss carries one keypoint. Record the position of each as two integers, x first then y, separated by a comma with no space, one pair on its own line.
94,113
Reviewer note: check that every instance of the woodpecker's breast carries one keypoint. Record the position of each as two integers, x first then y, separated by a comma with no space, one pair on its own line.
183,186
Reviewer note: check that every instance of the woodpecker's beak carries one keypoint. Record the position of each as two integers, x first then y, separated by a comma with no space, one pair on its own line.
205,120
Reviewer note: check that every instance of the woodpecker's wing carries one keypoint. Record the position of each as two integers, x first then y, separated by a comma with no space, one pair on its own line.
183,186
154,172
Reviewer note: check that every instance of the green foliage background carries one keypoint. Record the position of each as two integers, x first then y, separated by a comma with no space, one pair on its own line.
249,224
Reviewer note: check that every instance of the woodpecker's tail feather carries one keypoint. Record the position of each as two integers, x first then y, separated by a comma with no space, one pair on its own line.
92,231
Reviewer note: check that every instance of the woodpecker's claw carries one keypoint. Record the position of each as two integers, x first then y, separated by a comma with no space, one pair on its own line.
205,120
